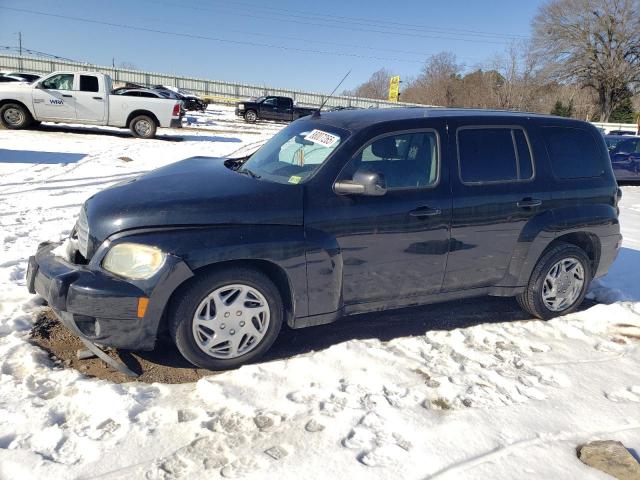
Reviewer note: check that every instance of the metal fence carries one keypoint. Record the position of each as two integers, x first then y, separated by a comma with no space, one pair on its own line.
608,127
215,90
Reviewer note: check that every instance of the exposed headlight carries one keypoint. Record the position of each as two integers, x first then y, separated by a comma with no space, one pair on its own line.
134,261
241,106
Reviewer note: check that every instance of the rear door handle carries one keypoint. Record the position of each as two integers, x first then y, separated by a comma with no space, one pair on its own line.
67,96
97,98
425,212
529,203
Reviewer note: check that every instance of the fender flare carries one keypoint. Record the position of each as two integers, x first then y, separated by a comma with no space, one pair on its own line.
28,108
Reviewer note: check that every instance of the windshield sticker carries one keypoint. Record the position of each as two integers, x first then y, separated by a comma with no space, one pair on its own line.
322,138
294,179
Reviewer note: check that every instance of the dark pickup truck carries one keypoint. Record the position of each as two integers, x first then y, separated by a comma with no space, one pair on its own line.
271,108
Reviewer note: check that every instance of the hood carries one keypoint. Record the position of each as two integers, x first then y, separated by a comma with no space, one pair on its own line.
194,192
14,85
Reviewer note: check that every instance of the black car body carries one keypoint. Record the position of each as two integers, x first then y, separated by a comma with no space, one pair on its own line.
624,151
18,76
191,102
271,108
358,211
622,132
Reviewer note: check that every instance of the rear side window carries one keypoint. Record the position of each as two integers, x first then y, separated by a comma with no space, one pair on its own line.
88,83
283,102
574,152
493,154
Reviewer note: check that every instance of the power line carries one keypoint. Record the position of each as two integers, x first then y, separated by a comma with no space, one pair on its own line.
424,55
203,37
34,52
373,22
349,26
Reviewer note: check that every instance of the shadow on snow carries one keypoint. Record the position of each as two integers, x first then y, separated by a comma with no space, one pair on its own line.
29,156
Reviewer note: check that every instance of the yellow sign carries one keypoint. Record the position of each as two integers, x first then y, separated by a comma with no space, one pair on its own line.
394,89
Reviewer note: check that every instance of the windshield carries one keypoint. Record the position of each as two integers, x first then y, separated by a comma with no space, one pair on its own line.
295,153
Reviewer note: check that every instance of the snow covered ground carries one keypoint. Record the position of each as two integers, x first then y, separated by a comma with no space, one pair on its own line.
499,400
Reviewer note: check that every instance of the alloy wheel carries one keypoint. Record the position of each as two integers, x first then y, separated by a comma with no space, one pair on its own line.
142,128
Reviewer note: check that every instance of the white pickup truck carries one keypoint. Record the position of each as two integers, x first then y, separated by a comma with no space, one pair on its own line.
83,97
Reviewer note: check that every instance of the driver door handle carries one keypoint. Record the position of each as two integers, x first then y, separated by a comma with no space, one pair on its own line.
529,203
67,96
425,211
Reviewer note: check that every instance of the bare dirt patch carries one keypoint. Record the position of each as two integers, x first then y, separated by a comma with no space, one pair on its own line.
63,345
166,365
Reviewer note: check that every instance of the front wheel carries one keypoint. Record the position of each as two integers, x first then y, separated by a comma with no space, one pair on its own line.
143,127
15,117
225,319
558,283
250,116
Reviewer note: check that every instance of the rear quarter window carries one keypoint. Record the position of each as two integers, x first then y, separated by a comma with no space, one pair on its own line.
573,152
493,154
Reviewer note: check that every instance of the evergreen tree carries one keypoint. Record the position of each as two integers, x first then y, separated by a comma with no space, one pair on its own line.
562,110
623,113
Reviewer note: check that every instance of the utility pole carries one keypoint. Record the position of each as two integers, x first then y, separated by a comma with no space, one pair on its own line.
20,42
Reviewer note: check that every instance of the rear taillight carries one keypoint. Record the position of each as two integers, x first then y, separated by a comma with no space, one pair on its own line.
176,110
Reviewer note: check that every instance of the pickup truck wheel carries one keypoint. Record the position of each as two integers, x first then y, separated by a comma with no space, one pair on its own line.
14,116
558,283
143,127
250,116
226,318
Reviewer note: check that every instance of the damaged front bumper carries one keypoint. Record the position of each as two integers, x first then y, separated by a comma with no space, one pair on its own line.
101,307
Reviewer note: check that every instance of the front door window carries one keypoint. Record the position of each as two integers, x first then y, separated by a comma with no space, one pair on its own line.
64,81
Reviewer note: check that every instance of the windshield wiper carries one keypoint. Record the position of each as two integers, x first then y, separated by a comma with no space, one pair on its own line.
246,171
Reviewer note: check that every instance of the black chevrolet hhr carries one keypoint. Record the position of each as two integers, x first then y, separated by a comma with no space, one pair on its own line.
339,213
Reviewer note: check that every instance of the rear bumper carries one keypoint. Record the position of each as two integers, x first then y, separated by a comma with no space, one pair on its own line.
100,307
609,249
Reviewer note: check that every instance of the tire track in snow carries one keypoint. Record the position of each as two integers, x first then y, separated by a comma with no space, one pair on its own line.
503,451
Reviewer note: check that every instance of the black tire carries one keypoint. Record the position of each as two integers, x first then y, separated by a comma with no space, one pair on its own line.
187,299
250,116
143,126
20,113
531,299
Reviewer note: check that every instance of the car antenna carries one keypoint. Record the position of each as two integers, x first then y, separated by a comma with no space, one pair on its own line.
317,112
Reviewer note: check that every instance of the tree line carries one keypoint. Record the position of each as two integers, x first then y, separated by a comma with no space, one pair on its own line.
582,61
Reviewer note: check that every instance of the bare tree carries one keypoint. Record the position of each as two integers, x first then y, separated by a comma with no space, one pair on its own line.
593,42
437,83
376,87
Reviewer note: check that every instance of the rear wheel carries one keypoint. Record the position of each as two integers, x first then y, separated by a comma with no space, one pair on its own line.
143,126
250,116
225,319
558,283
15,117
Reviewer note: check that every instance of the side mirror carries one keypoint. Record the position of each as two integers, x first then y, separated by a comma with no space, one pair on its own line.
363,183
